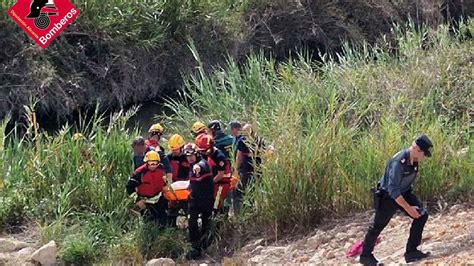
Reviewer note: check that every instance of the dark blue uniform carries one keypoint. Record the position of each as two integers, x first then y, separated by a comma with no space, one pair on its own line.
397,180
200,203
251,160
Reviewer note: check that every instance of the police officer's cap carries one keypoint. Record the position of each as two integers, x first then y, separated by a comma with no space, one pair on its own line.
425,144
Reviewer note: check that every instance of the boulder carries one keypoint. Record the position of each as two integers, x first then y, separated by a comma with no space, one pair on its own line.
160,262
46,255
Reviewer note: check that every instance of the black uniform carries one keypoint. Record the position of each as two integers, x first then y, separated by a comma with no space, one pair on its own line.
252,159
200,202
397,180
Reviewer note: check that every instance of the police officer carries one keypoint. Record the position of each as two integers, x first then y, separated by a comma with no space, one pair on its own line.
395,192
200,201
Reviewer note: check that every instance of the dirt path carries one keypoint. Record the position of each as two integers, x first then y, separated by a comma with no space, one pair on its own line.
449,235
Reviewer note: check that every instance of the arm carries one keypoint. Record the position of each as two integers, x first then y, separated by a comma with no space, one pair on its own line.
395,177
219,176
167,165
238,160
133,183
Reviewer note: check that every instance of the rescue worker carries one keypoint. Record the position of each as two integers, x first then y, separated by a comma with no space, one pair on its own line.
200,201
139,150
235,131
180,167
198,128
395,192
153,143
145,187
249,148
177,159
222,141
220,166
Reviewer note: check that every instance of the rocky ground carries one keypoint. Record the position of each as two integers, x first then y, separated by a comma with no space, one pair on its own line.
449,235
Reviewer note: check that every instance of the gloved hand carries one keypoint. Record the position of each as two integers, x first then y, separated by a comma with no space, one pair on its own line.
141,204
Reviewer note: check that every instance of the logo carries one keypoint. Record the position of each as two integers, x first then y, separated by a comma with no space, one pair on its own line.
43,20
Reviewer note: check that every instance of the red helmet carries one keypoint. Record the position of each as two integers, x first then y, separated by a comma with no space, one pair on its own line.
204,142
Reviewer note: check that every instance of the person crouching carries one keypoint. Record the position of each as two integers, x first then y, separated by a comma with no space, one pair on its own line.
146,186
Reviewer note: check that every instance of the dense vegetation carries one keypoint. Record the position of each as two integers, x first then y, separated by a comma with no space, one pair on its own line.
334,123
123,52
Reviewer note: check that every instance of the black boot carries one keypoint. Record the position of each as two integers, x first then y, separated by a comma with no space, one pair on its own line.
416,255
193,254
368,260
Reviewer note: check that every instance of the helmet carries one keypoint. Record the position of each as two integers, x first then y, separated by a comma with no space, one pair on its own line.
189,149
156,128
198,127
175,142
151,156
204,142
215,125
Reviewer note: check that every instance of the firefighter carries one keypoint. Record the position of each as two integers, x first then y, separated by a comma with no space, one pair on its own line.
222,141
200,201
153,143
198,128
145,187
220,166
180,167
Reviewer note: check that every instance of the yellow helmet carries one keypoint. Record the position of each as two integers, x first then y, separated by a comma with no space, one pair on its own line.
198,127
175,142
151,156
156,128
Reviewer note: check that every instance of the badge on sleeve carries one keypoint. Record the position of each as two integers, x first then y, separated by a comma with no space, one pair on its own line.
221,163
403,160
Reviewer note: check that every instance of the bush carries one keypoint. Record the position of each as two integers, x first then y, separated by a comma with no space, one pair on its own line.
156,242
79,249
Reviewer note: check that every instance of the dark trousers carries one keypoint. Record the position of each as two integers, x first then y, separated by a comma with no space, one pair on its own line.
384,213
246,177
157,212
199,238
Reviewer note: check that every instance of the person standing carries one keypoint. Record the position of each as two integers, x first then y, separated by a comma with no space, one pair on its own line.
200,201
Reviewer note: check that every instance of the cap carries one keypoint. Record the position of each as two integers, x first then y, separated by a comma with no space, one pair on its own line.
235,124
425,144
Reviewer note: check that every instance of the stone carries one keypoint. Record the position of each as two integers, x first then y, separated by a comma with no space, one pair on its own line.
253,245
10,245
330,255
46,255
160,262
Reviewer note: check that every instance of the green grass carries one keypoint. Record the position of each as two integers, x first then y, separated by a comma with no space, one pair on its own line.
334,125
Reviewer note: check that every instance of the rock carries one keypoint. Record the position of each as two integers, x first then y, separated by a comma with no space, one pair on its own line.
161,262
302,259
46,255
275,251
314,242
330,255
252,246
340,237
10,245
257,250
